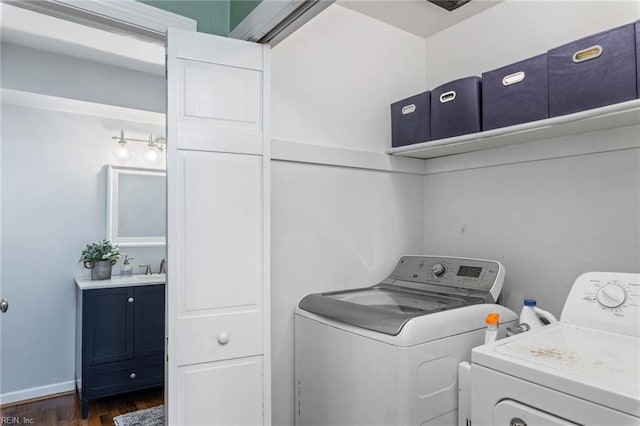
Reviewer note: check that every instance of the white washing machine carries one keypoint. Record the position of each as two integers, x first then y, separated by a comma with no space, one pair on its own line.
581,370
388,354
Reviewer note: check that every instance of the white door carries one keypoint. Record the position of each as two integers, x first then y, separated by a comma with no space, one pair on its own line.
218,364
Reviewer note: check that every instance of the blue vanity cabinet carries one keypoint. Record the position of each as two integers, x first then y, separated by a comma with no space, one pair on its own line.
148,331
108,325
120,340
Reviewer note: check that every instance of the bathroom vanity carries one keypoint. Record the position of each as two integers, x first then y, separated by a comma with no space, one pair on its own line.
120,331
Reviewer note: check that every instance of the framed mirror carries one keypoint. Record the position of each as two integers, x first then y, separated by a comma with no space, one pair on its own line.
136,206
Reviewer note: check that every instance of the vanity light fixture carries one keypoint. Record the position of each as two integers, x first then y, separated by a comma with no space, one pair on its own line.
155,146
121,152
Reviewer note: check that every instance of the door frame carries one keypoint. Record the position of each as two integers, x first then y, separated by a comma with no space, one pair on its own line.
125,17
128,17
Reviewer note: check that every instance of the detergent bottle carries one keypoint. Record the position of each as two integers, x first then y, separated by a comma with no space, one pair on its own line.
532,317
491,334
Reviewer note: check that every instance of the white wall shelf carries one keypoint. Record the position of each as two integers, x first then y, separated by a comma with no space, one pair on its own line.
608,117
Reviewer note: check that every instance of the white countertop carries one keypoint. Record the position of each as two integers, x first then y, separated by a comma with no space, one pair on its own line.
85,283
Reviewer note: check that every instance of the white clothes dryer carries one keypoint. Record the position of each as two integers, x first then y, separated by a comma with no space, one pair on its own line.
388,354
582,370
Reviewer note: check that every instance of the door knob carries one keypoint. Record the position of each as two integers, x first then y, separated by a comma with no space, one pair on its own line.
4,305
223,338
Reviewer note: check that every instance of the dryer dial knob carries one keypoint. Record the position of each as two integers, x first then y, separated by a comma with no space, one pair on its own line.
438,270
611,296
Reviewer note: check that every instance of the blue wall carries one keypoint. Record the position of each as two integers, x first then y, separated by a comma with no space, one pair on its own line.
213,16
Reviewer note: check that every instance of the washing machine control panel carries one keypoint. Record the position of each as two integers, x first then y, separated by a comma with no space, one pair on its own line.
468,276
605,300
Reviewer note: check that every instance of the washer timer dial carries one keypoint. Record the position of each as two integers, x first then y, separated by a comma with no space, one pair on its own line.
438,269
611,296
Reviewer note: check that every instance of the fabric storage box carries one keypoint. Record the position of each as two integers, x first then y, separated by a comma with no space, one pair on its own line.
515,94
592,72
638,59
410,120
455,108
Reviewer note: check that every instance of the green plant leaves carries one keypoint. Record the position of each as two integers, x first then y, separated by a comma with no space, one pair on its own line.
100,250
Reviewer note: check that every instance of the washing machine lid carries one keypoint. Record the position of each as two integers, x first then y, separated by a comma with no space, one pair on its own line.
598,366
418,285
382,308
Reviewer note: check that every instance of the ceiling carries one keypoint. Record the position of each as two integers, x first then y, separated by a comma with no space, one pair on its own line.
23,27
417,16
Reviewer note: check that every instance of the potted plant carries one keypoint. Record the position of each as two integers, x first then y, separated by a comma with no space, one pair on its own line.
100,256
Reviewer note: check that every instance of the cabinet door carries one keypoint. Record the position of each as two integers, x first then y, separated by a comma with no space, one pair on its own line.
107,325
148,320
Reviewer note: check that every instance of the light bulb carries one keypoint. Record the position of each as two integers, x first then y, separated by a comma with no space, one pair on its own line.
121,152
150,154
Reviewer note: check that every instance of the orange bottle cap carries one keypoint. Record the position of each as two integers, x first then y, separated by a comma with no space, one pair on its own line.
492,318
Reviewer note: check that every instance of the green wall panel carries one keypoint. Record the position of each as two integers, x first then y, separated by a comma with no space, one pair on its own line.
239,9
212,15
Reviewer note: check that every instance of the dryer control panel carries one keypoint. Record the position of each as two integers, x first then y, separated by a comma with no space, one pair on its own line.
607,301
475,277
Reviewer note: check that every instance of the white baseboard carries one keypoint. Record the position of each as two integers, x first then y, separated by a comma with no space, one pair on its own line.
37,392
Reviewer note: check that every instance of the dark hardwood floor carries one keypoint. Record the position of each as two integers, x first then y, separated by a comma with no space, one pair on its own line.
65,409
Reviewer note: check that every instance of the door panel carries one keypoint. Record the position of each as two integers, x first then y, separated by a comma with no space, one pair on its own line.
222,393
238,91
220,108
218,354
220,232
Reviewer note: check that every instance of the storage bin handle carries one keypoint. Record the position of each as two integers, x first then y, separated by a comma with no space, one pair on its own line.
514,78
447,96
408,109
587,54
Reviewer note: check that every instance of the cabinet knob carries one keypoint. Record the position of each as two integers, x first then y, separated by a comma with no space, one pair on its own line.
130,300
223,338
132,375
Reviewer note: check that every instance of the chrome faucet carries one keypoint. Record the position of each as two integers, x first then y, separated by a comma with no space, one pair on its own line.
163,266
147,271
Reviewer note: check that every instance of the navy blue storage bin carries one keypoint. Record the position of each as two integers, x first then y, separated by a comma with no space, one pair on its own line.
514,94
638,59
592,72
410,122
455,108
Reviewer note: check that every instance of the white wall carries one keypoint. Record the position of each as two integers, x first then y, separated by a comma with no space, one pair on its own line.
332,228
53,203
516,30
37,71
337,227
547,220
334,79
